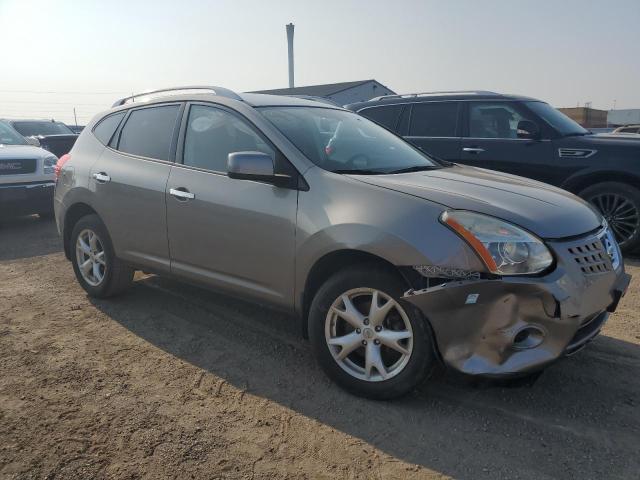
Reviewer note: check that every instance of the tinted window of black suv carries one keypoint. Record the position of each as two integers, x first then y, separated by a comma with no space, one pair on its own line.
434,119
526,137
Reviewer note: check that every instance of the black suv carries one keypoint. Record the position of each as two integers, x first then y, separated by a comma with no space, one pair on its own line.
525,137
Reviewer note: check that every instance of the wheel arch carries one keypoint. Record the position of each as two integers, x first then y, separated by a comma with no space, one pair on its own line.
71,217
578,183
333,261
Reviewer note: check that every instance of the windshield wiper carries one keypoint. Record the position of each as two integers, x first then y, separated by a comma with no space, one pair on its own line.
359,171
416,168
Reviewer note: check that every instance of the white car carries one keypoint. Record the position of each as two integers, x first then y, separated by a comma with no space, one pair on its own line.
27,177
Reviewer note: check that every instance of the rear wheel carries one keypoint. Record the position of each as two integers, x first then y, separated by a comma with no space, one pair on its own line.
97,268
619,203
366,338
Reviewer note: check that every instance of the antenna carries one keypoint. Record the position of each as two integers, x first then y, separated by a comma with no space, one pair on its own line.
290,28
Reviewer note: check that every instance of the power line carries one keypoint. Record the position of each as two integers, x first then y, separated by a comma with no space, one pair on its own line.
52,92
51,103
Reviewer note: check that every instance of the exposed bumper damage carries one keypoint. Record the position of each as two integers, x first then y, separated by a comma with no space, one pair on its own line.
514,325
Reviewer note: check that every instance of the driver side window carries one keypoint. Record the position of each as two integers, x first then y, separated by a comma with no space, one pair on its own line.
212,134
493,120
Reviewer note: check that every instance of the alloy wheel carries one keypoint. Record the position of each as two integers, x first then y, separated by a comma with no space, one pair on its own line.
369,334
90,256
620,212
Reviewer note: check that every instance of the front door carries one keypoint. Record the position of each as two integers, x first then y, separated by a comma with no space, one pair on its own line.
235,235
491,141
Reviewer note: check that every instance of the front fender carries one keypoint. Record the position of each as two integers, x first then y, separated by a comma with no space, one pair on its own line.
339,213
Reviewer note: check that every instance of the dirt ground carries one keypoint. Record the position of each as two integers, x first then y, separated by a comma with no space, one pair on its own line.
171,381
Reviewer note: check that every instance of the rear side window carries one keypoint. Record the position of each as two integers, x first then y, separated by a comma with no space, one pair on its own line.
107,126
149,132
385,116
435,119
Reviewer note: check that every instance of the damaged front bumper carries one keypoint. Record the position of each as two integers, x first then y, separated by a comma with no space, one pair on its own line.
516,325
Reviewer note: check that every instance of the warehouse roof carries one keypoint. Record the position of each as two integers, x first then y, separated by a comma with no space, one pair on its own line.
318,90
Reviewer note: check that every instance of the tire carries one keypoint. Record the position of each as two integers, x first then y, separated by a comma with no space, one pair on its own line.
403,373
113,275
619,203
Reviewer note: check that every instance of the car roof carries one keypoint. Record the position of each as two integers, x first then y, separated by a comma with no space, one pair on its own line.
439,96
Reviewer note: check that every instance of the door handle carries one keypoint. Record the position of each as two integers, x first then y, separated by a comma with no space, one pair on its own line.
473,150
181,194
101,177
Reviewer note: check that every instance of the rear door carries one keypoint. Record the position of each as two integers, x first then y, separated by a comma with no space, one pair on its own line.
491,141
235,235
129,181
434,127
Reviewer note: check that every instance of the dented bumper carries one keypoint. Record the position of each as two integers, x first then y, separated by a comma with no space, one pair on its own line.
515,325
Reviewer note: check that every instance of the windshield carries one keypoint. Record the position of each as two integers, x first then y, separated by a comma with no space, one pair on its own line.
344,142
8,136
31,128
558,120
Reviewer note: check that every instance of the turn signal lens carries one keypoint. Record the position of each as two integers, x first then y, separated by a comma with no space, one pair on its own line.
504,248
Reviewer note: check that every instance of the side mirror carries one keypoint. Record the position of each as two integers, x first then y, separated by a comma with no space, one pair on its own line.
33,141
528,129
256,166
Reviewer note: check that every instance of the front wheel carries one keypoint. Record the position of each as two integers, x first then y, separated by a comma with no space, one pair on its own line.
619,204
366,338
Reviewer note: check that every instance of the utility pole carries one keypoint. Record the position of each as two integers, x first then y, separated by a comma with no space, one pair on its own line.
74,116
290,28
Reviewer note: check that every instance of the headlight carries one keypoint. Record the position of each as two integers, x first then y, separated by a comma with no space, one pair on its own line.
49,164
504,248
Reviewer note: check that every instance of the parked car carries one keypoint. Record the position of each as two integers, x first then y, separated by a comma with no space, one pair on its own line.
48,134
522,136
627,129
26,176
76,128
391,259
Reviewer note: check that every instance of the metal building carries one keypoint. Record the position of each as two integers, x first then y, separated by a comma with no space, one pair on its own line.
340,93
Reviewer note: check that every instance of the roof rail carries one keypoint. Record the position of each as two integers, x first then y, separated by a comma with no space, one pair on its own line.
426,94
148,95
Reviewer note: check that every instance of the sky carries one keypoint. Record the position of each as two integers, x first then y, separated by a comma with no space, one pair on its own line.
63,54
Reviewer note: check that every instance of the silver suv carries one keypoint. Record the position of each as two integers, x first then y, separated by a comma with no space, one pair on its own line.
392,260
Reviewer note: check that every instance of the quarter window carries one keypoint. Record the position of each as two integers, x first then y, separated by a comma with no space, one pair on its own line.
149,132
434,119
107,126
494,120
385,116
212,134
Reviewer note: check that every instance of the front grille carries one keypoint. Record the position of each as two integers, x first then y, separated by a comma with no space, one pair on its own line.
591,256
18,167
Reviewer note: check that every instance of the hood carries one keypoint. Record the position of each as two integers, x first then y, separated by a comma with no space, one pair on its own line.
607,140
618,136
546,211
59,136
17,152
